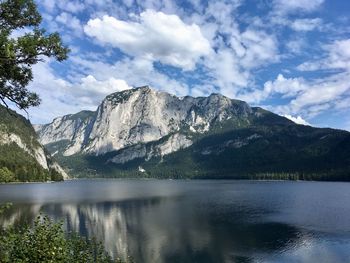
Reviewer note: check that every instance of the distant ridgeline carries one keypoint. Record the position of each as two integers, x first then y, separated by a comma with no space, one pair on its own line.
22,157
146,133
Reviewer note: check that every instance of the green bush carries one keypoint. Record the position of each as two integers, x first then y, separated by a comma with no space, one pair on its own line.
6,175
47,242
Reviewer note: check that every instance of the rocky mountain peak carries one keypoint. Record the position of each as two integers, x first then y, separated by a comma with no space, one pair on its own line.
140,115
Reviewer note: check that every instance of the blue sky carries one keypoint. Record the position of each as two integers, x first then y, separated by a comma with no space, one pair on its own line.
289,56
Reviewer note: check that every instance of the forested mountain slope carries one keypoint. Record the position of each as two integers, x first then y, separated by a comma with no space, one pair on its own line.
22,157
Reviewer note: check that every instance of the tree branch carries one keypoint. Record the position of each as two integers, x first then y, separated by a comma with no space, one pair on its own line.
7,107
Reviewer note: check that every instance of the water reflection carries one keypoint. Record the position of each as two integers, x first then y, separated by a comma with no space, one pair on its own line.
200,226
163,230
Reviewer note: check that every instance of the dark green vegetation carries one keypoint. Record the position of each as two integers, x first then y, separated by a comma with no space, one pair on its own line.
46,241
18,55
264,146
16,163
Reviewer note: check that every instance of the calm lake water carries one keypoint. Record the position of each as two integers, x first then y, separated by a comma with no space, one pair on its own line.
197,221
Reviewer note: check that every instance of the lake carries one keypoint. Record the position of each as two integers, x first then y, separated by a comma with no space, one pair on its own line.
196,221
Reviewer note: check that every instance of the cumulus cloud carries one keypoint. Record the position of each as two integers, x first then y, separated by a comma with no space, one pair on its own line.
286,87
297,119
152,35
96,90
137,72
60,97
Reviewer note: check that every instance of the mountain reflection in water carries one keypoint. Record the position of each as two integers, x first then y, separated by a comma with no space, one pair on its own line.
195,226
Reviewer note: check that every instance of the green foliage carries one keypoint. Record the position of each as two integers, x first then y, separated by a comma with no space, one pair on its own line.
55,175
18,55
6,175
4,207
45,242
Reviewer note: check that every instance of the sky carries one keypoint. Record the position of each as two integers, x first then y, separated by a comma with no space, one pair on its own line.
289,56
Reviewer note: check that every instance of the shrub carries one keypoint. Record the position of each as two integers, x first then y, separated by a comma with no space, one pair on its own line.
47,242
6,175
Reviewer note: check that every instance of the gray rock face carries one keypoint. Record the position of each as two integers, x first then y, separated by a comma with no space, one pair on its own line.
128,119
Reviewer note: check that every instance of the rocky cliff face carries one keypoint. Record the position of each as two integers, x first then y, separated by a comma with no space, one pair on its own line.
127,119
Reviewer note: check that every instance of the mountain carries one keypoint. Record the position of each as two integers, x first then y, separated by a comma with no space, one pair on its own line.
22,157
147,133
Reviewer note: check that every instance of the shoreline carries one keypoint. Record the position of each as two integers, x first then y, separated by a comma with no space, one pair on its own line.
170,179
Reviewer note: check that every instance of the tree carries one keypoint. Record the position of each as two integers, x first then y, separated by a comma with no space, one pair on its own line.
18,55
6,175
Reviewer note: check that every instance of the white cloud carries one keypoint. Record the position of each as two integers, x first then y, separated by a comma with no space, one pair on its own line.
202,90
153,35
295,46
71,22
286,6
231,65
289,87
307,98
49,5
225,69
260,48
286,87
317,96
338,57
61,97
137,72
95,90
321,92
297,119
312,97
306,24
72,6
